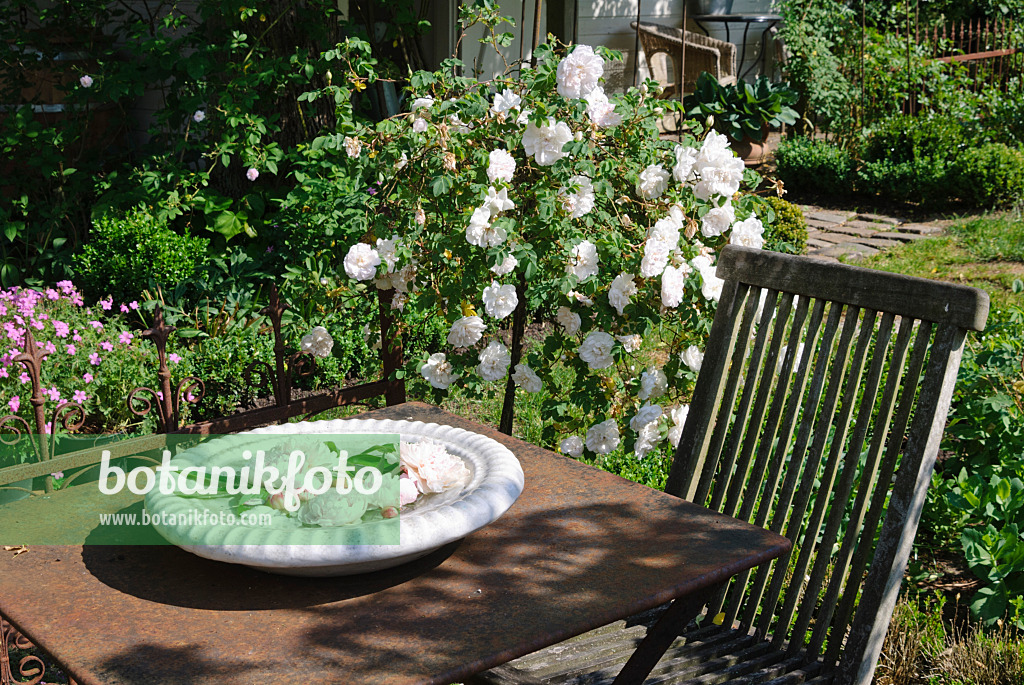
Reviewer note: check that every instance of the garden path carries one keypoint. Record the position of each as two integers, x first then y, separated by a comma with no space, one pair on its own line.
849,235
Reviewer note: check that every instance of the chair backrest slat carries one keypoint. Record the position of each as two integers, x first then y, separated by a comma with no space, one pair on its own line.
809,440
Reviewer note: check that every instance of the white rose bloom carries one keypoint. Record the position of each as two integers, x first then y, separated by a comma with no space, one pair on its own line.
578,203
545,143
646,440
361,262
524,117
497,201
596,350
712,286
458,125
652,182
505,101
527,379
431,467
422,103
686,157
386,250
402,280
569,320
600,110
501,166
630,343
673,285
318,342
581,298
500,300
748,233
579,72
715,144
419,125
494,361
480,230
666,231
655,259
402,161
420,216
693,357
332,509
466,332
718,220
507,266
678,415
438,371
352,146
622,289
647,414
653,384
722,179
583,260
603,438
572,446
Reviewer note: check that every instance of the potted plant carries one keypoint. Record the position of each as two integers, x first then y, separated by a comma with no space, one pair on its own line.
743,111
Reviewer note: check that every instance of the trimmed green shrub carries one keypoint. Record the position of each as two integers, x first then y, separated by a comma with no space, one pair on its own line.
907,139
990,175
127,254
925,179
788,231
814,166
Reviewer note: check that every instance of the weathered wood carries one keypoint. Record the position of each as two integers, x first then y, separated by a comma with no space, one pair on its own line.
917,298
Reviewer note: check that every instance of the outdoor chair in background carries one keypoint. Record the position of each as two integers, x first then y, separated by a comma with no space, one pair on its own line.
817,413
703,53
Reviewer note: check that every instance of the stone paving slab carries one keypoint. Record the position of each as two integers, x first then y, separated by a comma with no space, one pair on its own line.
849,250
868,225
850,229
920,229
876,242
829,216
878,218
900,236
827,237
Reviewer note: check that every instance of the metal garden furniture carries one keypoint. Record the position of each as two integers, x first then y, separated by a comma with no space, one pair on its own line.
817,413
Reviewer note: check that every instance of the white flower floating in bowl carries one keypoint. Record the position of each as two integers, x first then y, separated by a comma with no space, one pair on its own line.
350,501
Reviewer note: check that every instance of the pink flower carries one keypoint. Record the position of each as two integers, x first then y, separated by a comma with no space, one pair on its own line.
87,377
80,396
24,377
107,304
54,393
96,325
57,475
72,349
252,174
125,337
61,329
50,347
67,286
173,358
76,337
107,345
124,309
38,325
85,81
76,299
4,373
14,403
52,294
133,305
94,359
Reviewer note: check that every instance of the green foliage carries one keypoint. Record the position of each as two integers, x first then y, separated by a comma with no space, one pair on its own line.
814,166
993,238
128,253
991,175
787,231
743,110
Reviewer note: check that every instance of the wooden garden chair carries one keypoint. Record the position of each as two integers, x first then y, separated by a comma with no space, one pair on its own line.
817,413
703,53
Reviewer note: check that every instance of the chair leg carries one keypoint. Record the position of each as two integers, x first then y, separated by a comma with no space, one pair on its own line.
660,637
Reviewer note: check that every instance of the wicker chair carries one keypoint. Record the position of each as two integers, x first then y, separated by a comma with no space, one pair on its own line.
818,413
703,53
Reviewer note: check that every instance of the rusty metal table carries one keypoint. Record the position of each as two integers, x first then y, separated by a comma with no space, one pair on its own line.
579,549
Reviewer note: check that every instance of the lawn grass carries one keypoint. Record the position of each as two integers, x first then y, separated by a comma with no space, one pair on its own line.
983,252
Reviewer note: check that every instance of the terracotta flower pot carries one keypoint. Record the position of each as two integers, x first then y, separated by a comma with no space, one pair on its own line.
752,152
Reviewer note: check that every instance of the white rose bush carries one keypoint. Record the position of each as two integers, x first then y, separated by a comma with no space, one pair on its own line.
543,199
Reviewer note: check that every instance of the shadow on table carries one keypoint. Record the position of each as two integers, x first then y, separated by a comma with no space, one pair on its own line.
169,575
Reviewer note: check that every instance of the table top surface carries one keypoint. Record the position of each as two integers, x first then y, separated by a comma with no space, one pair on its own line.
580,548
749,18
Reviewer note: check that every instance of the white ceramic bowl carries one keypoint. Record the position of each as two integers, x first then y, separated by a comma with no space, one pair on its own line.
496,481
